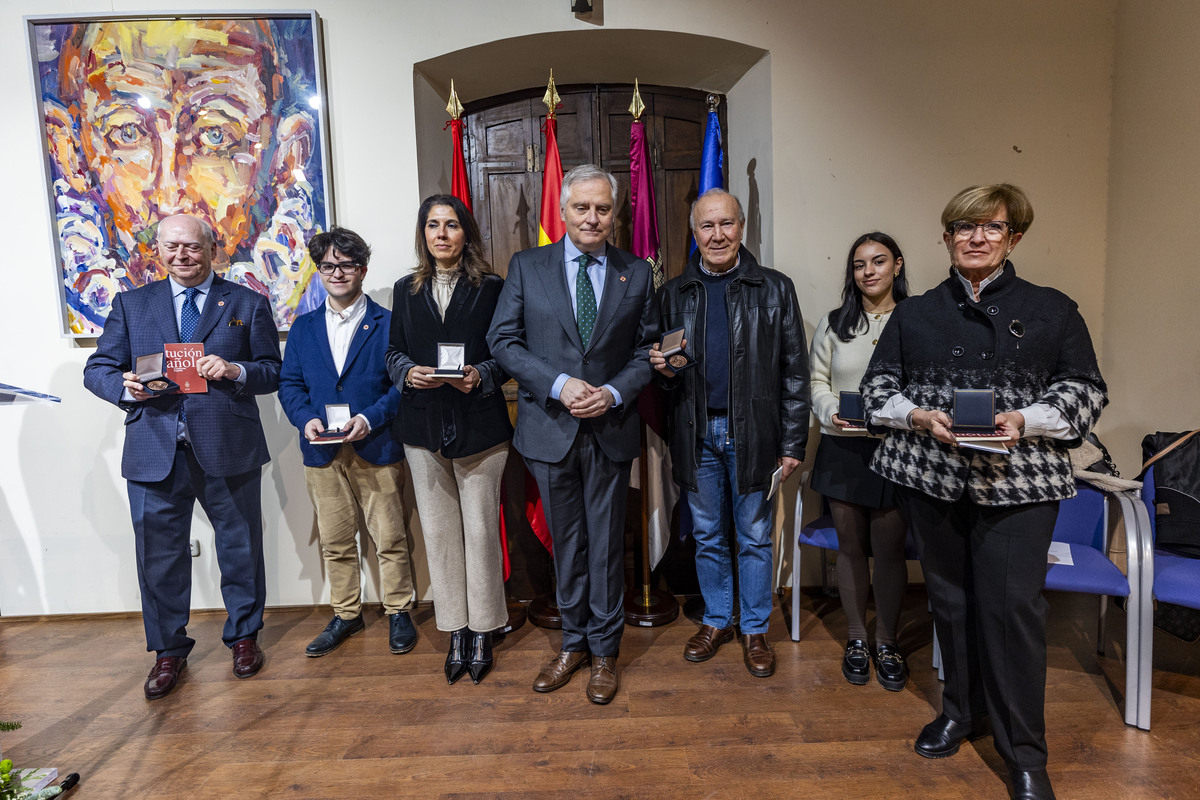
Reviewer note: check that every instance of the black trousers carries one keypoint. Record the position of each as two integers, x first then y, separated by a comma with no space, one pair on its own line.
985,568
584,499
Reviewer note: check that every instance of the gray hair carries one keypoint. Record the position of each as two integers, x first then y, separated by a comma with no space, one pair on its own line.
580,174
713,193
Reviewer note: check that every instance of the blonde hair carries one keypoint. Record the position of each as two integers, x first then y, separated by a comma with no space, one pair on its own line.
981,202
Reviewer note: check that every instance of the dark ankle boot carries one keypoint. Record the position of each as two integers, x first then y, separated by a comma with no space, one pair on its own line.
456,659
481,655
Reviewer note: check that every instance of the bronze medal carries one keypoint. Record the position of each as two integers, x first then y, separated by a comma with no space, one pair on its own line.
677,361
157,385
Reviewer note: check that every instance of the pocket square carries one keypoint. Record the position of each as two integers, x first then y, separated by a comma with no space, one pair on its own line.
234,322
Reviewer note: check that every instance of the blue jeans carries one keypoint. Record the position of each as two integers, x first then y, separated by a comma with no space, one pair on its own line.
716,480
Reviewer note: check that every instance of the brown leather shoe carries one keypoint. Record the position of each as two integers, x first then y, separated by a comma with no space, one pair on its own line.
558,672
602,686
760,659
706,642
164,676
247,658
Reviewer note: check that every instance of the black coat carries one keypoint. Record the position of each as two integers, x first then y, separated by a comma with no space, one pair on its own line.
945,340
768,371
444,419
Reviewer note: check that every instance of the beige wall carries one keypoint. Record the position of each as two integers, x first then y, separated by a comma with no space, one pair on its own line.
1151,351
862,115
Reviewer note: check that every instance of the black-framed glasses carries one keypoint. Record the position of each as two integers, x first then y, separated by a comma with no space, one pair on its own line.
347,267
994,230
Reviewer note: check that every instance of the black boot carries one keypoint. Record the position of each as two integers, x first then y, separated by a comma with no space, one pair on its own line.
481,655
456,659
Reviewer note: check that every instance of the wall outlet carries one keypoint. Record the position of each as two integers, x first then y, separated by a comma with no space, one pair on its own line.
195,545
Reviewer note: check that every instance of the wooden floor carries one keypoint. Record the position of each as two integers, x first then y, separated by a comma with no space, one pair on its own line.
362,723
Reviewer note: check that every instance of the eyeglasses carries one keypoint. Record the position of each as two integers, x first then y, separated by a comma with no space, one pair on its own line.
347,267
993,231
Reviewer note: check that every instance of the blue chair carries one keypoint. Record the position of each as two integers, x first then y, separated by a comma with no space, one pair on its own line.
1169,578
820,533
1083,526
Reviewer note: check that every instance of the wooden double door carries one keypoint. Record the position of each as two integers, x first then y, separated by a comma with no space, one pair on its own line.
505,156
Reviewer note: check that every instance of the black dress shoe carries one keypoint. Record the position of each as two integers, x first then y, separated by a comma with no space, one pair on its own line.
336,632
481,655
1031,784
942,737
856,662
456,659
402,634
890,668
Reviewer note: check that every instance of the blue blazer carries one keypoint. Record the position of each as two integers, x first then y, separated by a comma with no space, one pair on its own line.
309,382
223,424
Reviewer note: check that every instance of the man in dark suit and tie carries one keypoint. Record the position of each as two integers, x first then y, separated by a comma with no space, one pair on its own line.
336,355
574,326
180,448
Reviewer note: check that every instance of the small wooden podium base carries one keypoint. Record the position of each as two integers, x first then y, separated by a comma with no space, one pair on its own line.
516,616
650,609
543,612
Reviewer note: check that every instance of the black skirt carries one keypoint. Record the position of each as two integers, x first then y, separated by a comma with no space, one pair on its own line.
842,471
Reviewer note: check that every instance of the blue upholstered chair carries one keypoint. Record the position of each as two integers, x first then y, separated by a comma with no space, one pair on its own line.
1170,579
1083,525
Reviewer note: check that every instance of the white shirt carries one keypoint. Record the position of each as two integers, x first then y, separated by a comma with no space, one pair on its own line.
341,327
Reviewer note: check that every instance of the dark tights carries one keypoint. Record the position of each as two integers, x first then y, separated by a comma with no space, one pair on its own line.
880,532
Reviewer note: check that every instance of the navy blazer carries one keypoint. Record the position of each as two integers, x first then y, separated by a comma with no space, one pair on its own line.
309,382
223,423
534,336
444,419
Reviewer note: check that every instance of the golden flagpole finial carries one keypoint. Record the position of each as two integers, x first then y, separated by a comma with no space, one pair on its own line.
636,106
551,99
454,107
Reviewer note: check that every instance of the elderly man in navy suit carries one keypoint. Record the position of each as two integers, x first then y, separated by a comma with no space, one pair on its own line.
180,448
574,326
335,355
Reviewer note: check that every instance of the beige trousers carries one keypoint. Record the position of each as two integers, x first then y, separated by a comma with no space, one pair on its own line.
338,491
459,503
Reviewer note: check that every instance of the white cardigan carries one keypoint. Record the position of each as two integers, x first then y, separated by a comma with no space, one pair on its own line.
836,366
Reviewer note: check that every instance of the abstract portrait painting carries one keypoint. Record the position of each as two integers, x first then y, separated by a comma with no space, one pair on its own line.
145,117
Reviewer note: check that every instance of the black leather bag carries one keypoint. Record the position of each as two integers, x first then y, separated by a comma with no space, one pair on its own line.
1176,460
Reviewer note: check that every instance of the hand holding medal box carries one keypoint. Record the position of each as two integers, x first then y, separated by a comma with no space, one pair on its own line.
975,421
450,360
337,417
672,349
150,374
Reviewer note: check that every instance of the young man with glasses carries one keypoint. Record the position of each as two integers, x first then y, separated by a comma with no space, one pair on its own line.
335,357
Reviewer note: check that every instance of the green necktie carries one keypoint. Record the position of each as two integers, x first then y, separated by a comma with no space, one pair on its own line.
585,300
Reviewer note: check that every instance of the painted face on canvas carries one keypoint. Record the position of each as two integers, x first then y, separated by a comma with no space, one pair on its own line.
175,119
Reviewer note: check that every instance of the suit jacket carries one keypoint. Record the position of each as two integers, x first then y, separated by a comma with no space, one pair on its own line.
222,424
309,381
444,419
534,336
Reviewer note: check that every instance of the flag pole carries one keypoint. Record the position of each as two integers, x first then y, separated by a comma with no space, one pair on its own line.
543,610
647,607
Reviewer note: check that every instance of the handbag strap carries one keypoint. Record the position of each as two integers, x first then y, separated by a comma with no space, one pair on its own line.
1168,449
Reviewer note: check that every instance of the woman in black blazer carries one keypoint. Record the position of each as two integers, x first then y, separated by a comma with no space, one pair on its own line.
455,431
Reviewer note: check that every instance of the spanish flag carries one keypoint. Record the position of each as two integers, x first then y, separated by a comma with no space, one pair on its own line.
550,224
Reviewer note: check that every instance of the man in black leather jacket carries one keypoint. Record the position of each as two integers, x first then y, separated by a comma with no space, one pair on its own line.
736,416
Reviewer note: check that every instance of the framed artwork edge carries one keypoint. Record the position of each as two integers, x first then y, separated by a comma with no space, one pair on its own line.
322,195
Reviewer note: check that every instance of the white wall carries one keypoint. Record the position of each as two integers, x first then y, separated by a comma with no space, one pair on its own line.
878,112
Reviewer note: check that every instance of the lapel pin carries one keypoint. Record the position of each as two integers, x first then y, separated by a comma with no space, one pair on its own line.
622,279
220,302
366,327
